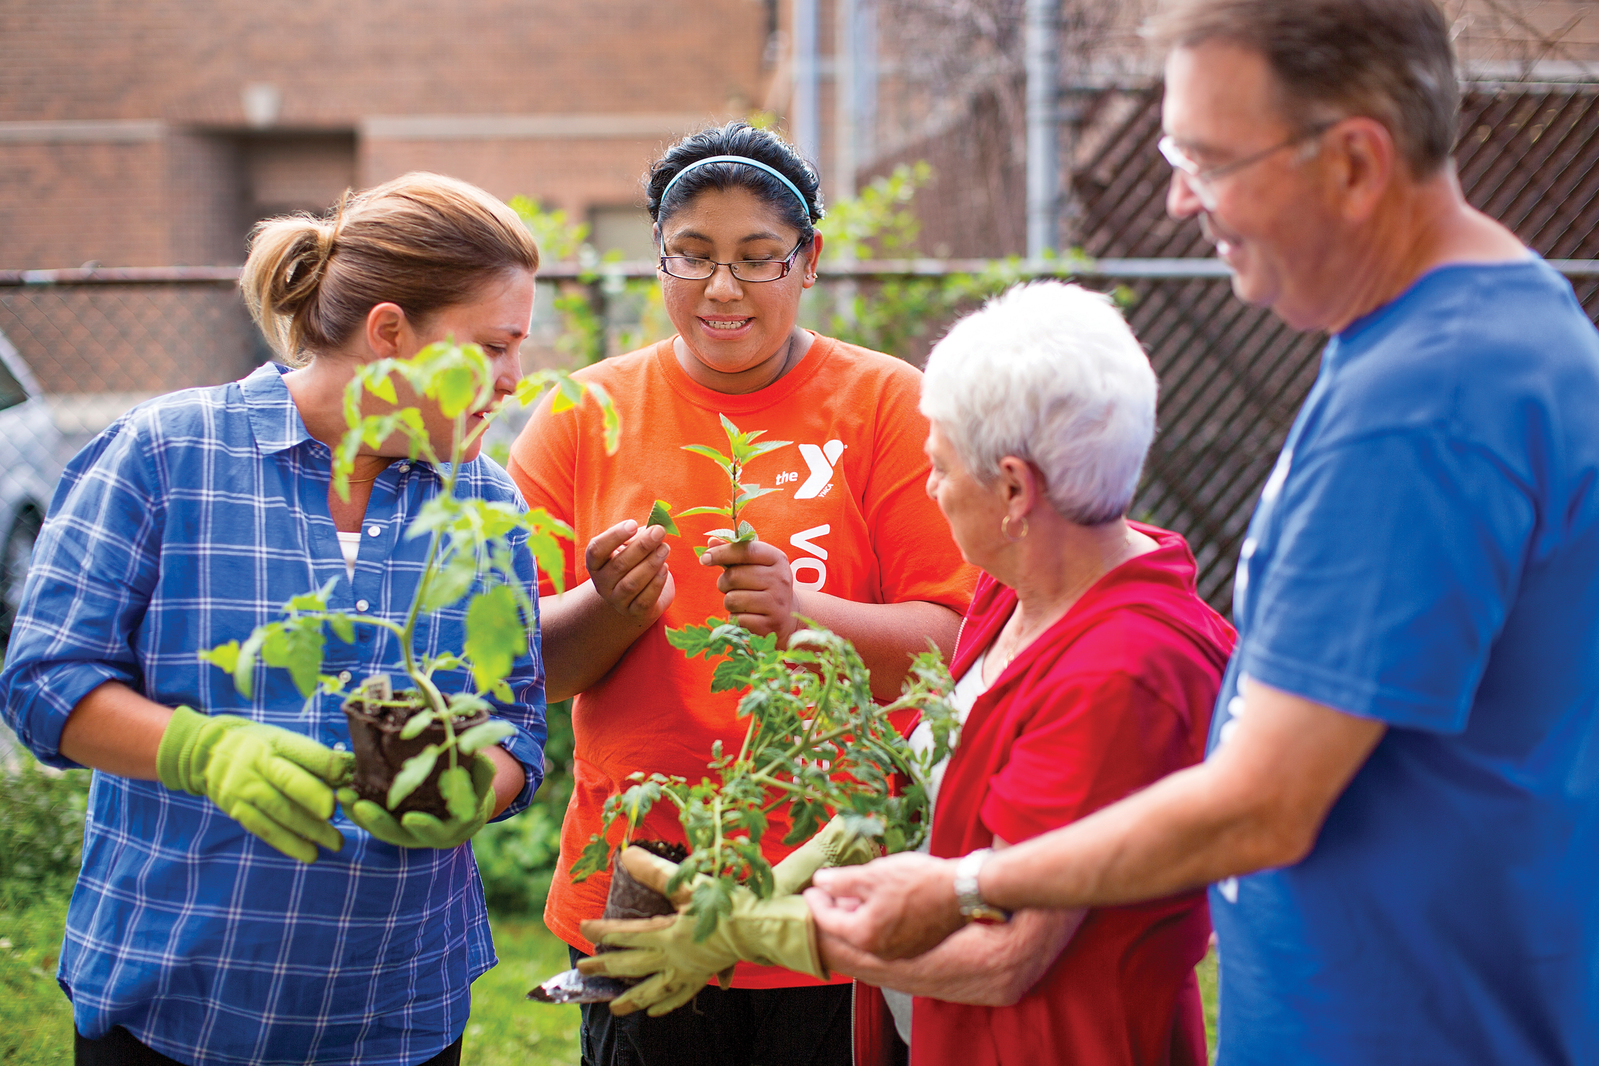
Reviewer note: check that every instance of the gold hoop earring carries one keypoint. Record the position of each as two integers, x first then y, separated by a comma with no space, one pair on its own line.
1004,529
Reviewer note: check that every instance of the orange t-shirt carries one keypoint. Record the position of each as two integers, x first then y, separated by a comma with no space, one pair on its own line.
852,514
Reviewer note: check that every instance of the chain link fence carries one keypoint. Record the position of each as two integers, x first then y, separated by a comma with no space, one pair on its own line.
86,345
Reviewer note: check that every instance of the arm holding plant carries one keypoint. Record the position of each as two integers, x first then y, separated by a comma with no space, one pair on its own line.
760,596
587,628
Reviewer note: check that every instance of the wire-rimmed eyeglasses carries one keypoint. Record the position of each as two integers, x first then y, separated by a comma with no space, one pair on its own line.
698,268
1203,179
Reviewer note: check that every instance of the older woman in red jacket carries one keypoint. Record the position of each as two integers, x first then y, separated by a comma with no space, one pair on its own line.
1086,670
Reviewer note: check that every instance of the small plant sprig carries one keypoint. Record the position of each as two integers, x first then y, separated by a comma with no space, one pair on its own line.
467,545
741,448
816,741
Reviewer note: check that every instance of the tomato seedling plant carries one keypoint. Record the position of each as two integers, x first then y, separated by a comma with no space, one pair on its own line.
468,548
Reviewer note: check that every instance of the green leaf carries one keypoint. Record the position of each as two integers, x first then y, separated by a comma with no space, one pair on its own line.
595,857
637,801
415,724
757,450
661,515
244,668
481,736
711,900
456,388
447,585
224,657
752,492
467,704
725,534
495,637
455,785
296,645
609,419
713,455
412,774
383,388
746,533
723,511
342,627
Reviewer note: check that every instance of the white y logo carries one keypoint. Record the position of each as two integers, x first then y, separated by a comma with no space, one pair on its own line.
821,461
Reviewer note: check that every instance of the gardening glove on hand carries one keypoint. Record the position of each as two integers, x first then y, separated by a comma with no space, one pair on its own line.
770,932
418,829
276,783
842,842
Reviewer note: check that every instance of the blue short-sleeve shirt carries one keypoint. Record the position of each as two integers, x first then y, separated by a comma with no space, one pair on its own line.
184,525
1426,553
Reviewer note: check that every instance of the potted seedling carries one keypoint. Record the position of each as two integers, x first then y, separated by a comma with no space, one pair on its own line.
411,745
816,744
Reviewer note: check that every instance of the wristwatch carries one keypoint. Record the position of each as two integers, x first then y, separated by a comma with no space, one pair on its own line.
967,896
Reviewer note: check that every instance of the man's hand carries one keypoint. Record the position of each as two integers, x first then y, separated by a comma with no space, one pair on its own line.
418,829
276,783
628,567
893,908
757,586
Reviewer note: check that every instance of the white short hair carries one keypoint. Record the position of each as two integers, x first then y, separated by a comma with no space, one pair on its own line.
1049,373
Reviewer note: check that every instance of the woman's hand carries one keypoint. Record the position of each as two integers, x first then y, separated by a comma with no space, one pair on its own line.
628,567
757,586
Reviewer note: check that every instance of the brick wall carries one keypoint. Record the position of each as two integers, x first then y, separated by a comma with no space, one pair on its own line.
125,136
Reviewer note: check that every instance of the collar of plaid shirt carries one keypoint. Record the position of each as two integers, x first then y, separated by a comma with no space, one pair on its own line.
182,526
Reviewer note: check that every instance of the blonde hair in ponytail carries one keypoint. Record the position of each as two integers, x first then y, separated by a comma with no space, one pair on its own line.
422,241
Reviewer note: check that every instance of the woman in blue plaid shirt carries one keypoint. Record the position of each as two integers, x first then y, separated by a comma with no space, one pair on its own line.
227,911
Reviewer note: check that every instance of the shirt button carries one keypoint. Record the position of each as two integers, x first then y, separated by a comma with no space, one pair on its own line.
361,605
373,531
345,675
405,468
339,746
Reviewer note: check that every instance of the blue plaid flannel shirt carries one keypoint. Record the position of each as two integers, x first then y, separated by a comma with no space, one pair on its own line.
185,524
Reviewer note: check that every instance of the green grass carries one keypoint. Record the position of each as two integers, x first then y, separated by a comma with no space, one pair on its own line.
505,1027
1207,992
36,1020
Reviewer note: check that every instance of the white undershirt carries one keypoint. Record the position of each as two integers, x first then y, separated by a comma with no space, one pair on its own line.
350,545
970,686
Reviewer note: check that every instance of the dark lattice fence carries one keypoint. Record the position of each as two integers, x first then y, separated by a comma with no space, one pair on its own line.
1232,377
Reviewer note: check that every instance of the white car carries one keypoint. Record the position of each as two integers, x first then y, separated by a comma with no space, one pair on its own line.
30,463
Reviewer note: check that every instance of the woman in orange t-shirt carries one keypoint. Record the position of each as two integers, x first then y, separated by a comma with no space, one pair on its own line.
849,540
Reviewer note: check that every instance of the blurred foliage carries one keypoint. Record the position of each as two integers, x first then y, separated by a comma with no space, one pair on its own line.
41,830
582,304
889,314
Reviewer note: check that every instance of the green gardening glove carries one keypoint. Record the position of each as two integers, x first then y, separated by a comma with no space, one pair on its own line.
276,783
772,932
418,829
842,842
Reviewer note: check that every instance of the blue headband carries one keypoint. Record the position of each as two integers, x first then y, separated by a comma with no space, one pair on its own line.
746,161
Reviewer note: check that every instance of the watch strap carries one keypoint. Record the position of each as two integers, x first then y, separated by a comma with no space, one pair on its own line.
967,895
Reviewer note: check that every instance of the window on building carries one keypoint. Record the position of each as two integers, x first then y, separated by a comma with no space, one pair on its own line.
625,228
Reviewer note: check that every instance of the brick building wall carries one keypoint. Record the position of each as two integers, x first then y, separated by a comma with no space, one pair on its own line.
154,133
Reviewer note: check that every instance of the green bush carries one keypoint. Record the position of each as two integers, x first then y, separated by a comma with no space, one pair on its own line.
41,831
516,857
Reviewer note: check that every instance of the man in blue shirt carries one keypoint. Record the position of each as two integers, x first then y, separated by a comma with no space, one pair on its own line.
1400,809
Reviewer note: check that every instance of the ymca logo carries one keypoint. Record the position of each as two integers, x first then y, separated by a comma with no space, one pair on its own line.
821,461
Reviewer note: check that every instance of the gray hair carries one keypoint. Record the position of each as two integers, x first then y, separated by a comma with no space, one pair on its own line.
1051,374
1390,60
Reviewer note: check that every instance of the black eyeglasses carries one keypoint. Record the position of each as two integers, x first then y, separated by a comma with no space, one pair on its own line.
698,268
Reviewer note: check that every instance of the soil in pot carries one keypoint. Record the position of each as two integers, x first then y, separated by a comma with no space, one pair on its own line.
375,724
629,899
